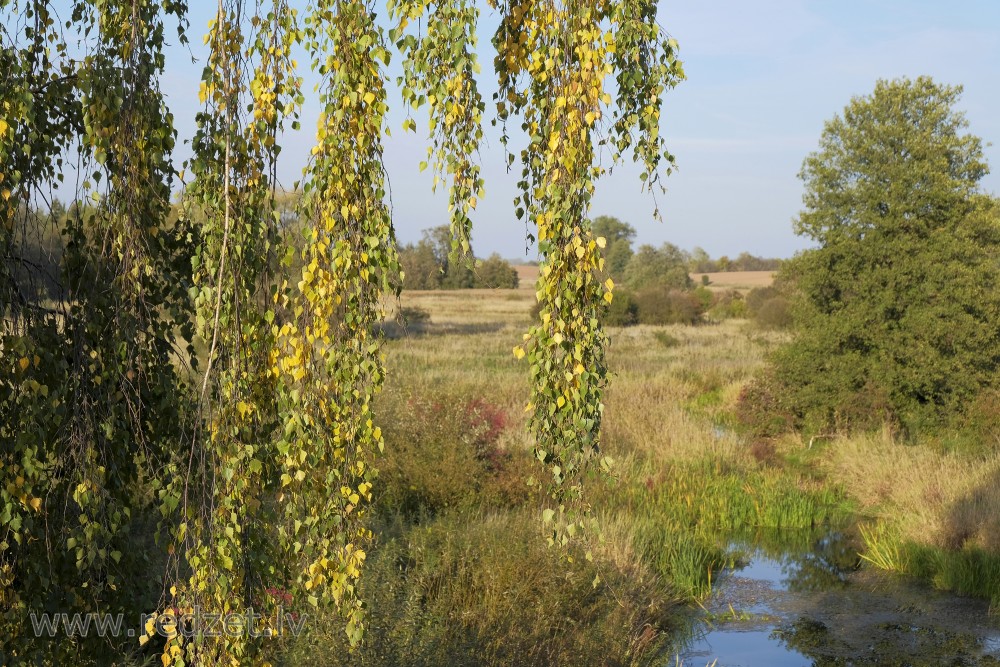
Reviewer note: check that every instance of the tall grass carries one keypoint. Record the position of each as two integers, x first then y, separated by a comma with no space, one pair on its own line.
883,548
683,515
485,590
936,512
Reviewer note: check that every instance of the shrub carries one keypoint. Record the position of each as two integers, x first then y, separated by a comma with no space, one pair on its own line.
975,430
441,452
761,410
758,296
775,313
705,296
728,305
623,310
660,305
496,273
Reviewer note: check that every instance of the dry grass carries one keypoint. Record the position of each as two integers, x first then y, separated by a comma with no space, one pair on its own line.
938,514
472,306
744,281
671,403
670,398
940,499
467,345
653,387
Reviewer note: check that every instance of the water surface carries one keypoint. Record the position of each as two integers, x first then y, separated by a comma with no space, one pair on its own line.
806,598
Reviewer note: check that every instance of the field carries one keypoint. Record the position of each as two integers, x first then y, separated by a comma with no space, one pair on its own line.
527,274
744,281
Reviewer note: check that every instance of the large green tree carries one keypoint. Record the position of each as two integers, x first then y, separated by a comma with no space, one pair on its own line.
898,316
664,267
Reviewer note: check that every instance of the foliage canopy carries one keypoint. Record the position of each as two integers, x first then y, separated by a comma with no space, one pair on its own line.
191,424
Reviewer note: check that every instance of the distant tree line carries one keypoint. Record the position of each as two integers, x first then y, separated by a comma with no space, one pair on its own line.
700,262
428,265
655,285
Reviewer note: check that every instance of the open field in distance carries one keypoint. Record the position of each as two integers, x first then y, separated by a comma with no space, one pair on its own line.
744,281
527,274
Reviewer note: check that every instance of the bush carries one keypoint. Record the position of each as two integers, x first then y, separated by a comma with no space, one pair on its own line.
761,410
623,310
442,452
976,429
758,296
728,305
660,305
775,313
705,296
496,273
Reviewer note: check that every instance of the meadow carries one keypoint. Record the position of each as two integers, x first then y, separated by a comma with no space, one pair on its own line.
462,572
686,481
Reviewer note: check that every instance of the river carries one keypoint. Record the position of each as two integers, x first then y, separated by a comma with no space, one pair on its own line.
807,598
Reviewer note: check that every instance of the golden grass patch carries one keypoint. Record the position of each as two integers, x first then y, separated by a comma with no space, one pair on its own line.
744,281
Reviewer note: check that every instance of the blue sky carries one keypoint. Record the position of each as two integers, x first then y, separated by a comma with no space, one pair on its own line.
762,78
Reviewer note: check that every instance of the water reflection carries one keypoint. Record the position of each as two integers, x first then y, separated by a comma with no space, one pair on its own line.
800,561
803,598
